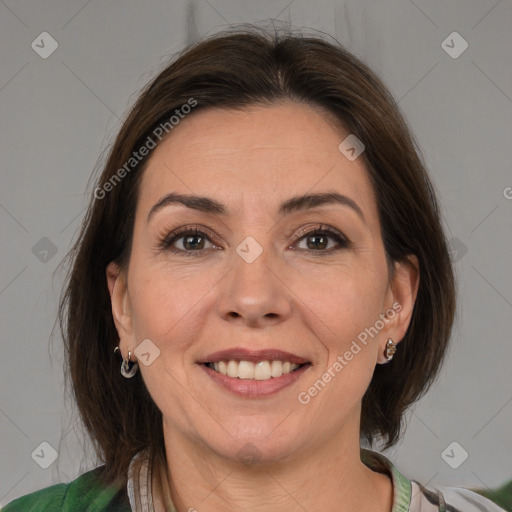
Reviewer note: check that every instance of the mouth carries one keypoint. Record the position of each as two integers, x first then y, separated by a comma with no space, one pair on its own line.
254,373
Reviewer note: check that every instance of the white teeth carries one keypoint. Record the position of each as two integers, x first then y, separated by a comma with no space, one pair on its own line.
262,371
276,368
223,367
232,369
247,370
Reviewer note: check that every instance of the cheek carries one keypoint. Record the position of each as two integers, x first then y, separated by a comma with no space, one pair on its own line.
341,309
346,300
164,304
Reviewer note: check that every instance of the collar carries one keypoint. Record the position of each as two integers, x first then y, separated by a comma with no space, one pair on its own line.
402,487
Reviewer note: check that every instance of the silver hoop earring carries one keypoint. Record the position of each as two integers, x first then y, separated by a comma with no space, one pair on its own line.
128,368
390,349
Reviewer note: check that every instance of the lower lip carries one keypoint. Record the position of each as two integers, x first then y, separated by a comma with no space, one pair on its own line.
250,388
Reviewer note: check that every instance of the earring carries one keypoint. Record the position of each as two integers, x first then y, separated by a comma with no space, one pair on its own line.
389,350
128,368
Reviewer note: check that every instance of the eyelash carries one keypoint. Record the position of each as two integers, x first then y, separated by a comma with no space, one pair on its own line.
166,241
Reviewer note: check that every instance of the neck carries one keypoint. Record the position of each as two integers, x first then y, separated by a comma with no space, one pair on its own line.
330,477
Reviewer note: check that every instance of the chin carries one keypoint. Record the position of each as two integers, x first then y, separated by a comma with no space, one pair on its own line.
251,442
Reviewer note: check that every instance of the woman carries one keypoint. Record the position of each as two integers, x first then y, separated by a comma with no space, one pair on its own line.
261,281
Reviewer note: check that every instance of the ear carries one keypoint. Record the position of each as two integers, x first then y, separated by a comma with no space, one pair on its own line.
400,302
121,311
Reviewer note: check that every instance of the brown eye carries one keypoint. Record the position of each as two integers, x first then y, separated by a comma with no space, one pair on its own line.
193,241
322,240
187,241
317,241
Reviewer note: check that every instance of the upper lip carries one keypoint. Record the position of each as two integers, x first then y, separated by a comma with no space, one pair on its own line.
239,354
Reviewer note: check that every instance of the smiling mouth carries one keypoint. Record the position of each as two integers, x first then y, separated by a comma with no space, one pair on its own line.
247,370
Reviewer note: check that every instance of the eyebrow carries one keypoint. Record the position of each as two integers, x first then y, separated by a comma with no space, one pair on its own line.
294,204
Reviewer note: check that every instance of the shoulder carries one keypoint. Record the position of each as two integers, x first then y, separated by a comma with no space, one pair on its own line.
412,496
87,492
449,499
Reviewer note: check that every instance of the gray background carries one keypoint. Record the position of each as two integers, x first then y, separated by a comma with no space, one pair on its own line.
59,114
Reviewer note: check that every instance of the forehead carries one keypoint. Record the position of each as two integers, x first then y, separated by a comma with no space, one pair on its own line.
262,153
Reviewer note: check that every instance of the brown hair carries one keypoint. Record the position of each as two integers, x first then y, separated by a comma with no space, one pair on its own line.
235,70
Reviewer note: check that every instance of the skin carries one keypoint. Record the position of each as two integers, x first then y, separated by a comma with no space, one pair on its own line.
289,298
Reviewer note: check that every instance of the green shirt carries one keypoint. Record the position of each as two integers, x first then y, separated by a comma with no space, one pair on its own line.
88,494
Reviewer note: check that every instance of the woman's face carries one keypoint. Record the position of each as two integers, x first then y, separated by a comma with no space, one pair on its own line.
255,284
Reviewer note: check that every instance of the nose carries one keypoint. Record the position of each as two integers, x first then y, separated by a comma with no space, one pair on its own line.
254,294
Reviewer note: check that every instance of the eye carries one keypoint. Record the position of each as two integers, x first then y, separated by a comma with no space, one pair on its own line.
189,241
192,241
318,239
